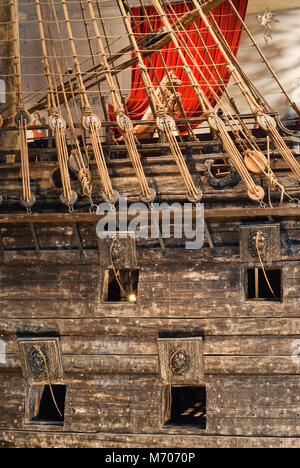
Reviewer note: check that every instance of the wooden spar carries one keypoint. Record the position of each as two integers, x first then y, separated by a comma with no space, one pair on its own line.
180,24
211,215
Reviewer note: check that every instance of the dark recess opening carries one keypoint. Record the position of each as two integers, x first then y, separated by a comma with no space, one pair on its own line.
128,279
220,169
57,180
258,289
188,406
47,411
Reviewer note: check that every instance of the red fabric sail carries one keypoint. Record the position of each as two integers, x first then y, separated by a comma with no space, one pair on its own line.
230,25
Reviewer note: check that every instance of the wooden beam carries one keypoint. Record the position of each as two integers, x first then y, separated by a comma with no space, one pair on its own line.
214,214
35,239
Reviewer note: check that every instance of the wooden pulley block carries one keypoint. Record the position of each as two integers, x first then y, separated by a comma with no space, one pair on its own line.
89,120
255,161
72,200
113,199
72,162
22,117
256,195
56,122
266,122
150,198
164,121
124,122
195,198
30,203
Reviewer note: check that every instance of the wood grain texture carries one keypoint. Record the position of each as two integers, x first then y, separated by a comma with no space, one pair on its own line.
110,353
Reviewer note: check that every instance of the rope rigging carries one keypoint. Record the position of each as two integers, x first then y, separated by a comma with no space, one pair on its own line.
90,121
264,120
254,159
38,349
242,148
124,123
255,192
164,121
56,123
22,118
76,160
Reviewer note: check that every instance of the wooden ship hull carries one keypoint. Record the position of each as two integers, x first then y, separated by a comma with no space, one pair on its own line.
124,343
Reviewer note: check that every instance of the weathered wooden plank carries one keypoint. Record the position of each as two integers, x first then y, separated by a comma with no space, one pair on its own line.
212,345
131,326
33,439
148,364
279,427
224,214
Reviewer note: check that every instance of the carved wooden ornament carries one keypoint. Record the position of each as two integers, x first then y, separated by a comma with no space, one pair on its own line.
119,247
33,365
269,243
181,361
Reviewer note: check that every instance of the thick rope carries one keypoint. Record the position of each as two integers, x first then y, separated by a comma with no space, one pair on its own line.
252,100
120,112
22,124
159,110
87,111
177,351
228,143
25,162
59,130
48,377
258,235
84,175
293,104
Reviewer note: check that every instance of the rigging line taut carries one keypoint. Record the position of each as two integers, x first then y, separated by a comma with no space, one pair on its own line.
164,121
264,120
255,192
159,43
124,123
255,160
292,103
56,123
76,160
177,98
261,100
22,118
90,121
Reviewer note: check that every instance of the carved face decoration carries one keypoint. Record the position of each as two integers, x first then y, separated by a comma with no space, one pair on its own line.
262,244
36,362
118,252
176,82
181,363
